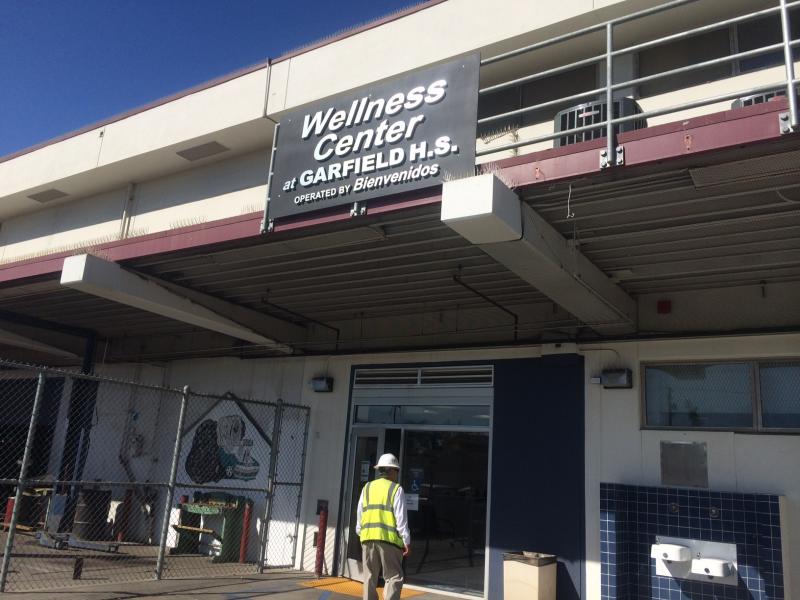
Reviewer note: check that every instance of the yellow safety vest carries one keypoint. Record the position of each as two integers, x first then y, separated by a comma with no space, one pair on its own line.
378,522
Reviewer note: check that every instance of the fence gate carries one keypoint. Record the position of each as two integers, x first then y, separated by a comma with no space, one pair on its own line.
283,510
106,481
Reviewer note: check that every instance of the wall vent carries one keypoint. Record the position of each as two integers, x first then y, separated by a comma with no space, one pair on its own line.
591,113
479,375
48,195
202,151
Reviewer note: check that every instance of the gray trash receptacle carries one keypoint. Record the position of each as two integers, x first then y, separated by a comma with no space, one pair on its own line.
529,576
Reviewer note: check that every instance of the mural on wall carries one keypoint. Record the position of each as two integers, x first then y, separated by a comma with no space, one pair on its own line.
225,445
219,451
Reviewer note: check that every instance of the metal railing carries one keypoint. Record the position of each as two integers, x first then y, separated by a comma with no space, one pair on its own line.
606,92
109,480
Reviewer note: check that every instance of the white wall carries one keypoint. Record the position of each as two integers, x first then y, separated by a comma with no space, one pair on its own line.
227,188
85,222
224,189
194,116
205,112
119,406
618,451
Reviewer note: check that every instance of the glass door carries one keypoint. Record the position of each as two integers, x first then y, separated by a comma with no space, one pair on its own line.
444,475
365,447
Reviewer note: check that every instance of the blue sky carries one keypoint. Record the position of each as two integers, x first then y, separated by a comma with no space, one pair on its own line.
68,63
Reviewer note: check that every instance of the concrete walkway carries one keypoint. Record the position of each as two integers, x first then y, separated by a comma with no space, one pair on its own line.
286,585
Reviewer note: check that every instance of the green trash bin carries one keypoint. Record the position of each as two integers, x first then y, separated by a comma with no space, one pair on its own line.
529,576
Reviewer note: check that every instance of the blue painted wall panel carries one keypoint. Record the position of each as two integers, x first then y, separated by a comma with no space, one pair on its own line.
538,479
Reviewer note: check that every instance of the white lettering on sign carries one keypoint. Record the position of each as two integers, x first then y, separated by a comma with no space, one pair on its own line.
365,110
318,195
325,124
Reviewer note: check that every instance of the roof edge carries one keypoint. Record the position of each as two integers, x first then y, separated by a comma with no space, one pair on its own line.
139,109
352,31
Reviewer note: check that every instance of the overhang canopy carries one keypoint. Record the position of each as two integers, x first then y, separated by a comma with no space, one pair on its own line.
99,277
713,232
10,338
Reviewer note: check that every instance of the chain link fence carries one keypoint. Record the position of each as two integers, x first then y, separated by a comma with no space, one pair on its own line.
110,481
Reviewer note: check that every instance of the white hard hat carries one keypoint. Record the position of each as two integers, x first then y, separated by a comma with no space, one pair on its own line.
387,461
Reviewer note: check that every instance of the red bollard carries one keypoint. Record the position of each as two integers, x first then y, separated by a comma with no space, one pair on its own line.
245,539
9,512
323,527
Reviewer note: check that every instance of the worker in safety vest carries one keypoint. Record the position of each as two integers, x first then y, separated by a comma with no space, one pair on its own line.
382,524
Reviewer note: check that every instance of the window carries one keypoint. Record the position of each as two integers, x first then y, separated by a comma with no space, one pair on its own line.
535,92
780,394
472,416
682,53
700,395
742,37
764,32
743,395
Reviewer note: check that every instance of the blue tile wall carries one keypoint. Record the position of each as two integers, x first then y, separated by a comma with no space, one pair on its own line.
632,516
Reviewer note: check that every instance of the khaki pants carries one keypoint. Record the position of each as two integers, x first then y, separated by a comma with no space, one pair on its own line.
388,556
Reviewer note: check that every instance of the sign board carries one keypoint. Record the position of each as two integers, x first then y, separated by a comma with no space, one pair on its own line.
417,475
397,135
412,501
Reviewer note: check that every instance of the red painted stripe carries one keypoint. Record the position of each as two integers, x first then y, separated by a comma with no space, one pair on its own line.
742,127
375,207
539,167
204,234
777,105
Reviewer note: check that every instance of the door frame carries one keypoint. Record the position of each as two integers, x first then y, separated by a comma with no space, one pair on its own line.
352,569
349,567
467,394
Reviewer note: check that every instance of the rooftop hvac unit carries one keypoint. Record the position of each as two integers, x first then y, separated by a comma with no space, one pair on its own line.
757,98
595,112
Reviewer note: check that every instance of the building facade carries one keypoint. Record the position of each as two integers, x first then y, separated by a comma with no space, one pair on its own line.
581,336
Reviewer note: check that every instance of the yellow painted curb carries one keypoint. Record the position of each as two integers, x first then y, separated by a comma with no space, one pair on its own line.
348,587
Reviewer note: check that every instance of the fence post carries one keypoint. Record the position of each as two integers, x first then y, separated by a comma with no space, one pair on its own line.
23,472
273,465
610,141
788,59
173,473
